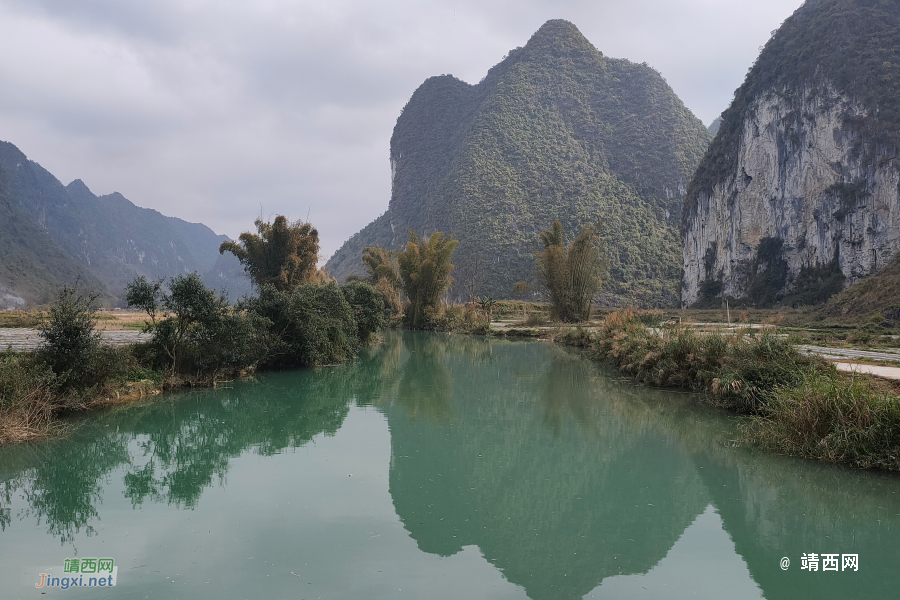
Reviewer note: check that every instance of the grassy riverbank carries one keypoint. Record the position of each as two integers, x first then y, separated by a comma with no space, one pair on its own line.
792,403
33,397
196,338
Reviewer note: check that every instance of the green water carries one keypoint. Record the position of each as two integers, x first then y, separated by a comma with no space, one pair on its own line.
438,467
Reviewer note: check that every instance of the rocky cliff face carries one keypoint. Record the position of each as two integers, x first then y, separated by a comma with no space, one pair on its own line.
799,179
799,193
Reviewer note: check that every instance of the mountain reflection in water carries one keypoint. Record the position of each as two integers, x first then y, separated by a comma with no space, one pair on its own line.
568,481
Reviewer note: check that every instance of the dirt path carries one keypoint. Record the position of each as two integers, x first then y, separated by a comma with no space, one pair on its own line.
833,353
22,340
877,371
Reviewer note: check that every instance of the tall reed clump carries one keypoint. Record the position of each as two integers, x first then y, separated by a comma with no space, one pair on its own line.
425,267
740,370
571,275
830,417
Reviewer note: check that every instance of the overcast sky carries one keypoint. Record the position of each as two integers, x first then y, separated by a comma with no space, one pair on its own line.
215,110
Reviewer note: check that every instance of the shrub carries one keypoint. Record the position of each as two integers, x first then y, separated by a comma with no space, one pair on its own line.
740,370
70,342
198,331
859,336
536,320
313,325
27,399
577,336
650,318
368,308
233,342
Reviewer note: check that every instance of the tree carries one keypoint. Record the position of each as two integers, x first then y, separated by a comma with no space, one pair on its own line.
425,269
383,272
197,330
571,275
70,341
367,304
282,253
314,324
188,303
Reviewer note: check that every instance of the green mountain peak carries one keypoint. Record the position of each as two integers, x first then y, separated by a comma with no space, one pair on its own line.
554,131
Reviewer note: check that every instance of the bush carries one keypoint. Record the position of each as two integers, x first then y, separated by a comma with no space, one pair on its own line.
830,417
368,308
536,320
71,345
577,336
198,332
740,370
233,342
313,325
859,336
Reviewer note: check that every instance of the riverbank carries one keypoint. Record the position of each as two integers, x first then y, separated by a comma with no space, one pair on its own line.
790,400
34,400
35,403
791,403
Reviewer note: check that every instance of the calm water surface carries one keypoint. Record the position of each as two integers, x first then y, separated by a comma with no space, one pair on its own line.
438,467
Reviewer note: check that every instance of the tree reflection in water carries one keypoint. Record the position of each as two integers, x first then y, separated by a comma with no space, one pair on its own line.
560,474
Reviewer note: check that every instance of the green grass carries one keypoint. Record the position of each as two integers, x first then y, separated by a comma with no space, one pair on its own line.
830,417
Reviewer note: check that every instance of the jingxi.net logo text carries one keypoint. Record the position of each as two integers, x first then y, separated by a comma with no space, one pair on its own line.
81,572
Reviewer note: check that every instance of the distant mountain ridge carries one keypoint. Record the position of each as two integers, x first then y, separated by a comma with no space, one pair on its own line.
51,234
555,131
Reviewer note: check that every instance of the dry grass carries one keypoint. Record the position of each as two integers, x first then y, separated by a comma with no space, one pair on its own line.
124,393
106,320
29,418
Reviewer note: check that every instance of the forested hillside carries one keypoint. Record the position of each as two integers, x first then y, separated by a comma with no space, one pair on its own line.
51,234
557,130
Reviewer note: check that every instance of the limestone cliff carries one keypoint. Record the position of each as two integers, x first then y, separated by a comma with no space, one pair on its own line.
800,191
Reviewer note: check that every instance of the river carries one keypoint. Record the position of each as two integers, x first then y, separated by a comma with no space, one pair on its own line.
439,466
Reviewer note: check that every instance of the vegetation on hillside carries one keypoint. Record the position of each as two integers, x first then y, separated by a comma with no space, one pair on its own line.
53,234
554,129
571,275
873,299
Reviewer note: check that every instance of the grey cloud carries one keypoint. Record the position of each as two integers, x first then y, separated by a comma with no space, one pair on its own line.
208,110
